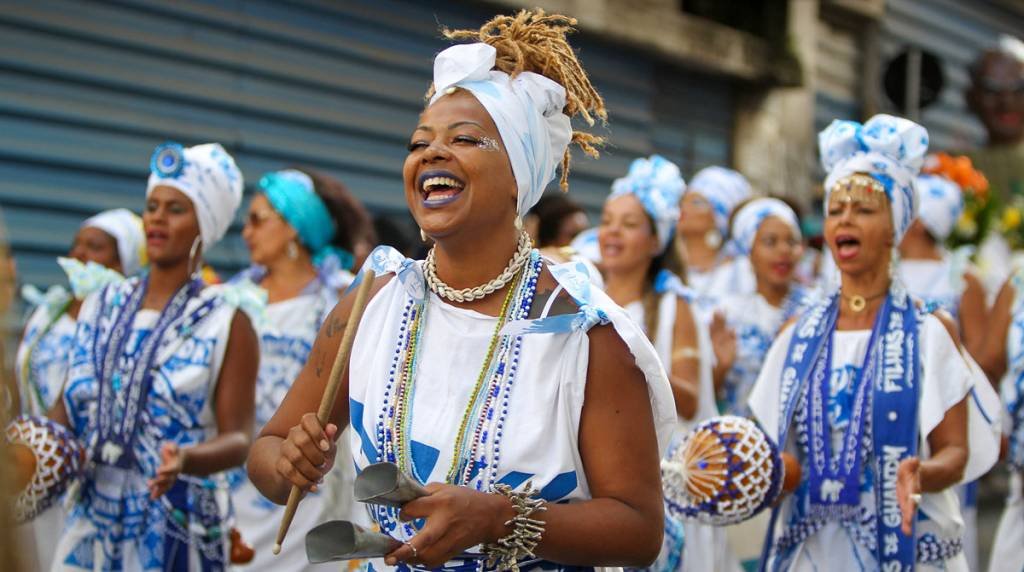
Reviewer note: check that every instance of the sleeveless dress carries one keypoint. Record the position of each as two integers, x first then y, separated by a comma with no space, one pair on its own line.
706,547
523,429
286,338
112,523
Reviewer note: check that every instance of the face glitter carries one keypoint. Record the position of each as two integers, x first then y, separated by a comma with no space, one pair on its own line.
488,144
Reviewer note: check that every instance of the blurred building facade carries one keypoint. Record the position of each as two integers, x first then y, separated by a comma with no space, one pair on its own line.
88,89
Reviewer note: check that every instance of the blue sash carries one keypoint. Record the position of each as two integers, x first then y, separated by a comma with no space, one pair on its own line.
123,394
888,390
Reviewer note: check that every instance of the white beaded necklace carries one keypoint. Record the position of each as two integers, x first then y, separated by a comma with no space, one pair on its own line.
445,291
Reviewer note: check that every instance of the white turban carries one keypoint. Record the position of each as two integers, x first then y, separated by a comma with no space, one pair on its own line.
749,218
126,229
724,189
941,203
659,186
526,109
208,176
889,149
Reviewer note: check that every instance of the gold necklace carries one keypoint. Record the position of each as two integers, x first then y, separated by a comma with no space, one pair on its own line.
857,303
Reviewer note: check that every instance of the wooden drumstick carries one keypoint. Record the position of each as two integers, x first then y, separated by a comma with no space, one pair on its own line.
331,391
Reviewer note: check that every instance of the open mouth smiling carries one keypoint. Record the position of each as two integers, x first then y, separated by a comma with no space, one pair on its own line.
439,188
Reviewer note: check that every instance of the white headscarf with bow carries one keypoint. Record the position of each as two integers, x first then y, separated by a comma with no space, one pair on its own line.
126,229
889,149
749,218
527,110
941,203
208,176
658,185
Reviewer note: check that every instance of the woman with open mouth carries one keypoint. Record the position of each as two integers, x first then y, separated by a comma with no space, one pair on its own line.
159,396
869,389
300,230
531,406
106,247
712,271
637,226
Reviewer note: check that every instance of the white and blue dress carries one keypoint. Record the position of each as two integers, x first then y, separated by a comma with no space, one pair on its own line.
755,323
850,405
1007,554
140,378
522,428
287,333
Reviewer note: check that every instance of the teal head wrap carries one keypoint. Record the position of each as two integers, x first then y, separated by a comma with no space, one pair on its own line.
292,194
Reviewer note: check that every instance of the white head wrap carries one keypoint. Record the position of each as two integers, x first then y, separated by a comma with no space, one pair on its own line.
889,149
659,186
941,203
724,189
208,176
749,218
526,109
126,228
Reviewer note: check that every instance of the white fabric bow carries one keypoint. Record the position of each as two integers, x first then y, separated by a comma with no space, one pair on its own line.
526,109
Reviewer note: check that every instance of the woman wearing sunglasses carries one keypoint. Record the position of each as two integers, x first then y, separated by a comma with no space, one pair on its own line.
300,231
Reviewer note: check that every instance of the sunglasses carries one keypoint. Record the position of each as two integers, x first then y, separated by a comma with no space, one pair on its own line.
255,218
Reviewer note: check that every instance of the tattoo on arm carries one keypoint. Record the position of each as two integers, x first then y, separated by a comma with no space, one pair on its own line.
335,326
562,305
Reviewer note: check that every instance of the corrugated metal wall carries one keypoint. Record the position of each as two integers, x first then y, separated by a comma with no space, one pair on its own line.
838,74
956,31
87,89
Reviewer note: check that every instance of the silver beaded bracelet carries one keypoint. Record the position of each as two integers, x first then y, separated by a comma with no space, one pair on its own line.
526,531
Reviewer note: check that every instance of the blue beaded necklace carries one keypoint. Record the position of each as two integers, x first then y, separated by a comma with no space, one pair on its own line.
477,454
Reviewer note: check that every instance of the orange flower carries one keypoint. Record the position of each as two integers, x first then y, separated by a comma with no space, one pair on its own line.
960,170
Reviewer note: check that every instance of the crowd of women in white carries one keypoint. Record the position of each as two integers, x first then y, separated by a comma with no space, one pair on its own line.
867,371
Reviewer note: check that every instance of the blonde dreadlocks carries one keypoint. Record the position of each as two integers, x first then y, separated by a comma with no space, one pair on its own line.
535,42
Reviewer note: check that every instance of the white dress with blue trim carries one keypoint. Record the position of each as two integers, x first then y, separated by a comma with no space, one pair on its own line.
41,366
286,338
532,424
706,545
802,543
1007,554
112,524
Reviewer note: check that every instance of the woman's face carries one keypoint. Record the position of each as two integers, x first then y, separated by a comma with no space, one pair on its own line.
94,245
626,235
775,253
171,226
696,215
266,233
458,178
859,231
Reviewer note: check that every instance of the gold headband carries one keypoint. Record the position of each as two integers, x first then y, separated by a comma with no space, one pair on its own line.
859,188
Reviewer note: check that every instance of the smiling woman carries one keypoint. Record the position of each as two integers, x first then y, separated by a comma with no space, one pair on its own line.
485,373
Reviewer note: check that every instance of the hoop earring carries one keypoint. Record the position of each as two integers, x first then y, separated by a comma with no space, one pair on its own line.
193,255
713,239
292,250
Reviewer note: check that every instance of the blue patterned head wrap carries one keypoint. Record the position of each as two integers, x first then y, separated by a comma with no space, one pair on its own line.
659,186
749,218
293,196
889,149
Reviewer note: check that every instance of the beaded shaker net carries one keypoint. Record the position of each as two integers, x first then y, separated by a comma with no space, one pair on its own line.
724,471
58,461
